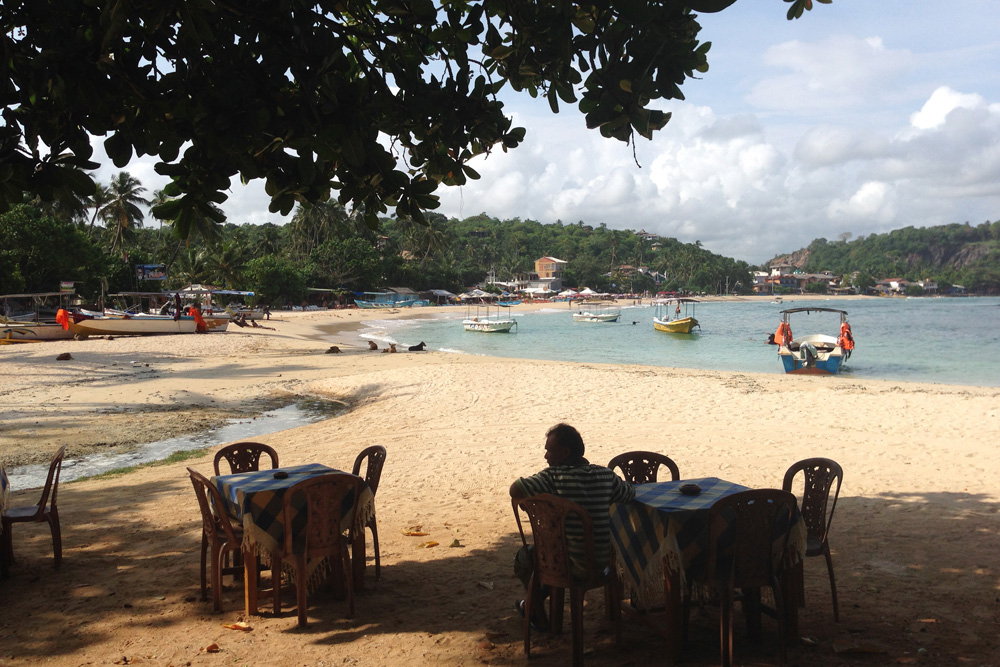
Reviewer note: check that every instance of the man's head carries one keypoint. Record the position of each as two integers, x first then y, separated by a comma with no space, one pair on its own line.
562,443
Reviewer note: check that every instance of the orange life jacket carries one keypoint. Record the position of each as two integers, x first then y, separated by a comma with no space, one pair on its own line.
62,317
846,340
783,335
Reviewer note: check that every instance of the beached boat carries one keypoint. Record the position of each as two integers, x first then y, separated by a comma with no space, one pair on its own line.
34,322
386,300
816,354
596,311
669,318
32,332
145,325
488,318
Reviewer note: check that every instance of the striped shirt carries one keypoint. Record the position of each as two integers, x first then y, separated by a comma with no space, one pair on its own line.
594,488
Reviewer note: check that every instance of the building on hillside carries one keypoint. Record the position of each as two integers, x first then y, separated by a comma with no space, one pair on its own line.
550,267
646,236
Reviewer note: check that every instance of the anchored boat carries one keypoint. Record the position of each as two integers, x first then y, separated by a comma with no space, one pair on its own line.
489,318
596,311
669,317
813,354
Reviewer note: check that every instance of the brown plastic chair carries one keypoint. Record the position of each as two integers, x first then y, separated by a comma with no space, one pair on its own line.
641,467
244,457
373,473
4,484
45,511
547,514
219,536
751,560
321,537
819,477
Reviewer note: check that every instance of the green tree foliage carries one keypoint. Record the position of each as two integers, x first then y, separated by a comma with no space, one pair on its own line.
38,251
276,279
351,262
956,254
297,93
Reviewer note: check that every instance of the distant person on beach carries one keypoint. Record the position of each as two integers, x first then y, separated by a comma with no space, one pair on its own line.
574,478
267,312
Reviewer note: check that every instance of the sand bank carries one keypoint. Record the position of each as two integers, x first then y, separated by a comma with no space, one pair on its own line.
915,537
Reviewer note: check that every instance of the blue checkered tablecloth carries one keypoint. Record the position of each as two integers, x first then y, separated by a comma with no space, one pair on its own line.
664,524
255,499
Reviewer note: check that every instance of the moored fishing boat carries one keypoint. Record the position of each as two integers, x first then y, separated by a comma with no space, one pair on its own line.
814,354
668,315
596,311
489,318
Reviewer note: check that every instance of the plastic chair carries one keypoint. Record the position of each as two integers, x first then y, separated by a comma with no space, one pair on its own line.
244,457
819,477
754,558
321,537
642,467
547,514
217,532
373,473
4,486
45,511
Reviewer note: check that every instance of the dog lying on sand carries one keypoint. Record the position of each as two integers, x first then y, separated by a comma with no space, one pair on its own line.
372,345
418,348
391,348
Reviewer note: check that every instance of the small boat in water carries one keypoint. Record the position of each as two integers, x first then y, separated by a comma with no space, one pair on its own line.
488,318
669,318
596,311
813,354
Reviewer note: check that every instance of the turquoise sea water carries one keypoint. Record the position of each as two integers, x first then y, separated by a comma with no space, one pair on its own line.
946,340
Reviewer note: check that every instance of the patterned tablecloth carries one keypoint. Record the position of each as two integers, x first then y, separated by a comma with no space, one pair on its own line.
4,493
662,524
255,499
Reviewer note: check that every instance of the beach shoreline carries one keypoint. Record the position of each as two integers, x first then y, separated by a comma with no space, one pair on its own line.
914,538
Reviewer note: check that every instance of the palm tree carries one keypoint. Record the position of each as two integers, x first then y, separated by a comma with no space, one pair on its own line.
159,197
226,262
122,213
97,201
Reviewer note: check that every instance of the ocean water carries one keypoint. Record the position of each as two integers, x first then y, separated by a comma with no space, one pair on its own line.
942,340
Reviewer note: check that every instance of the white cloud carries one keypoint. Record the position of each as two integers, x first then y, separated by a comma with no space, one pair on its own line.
943,101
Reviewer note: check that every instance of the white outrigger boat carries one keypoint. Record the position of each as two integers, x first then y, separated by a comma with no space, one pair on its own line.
596,311
489,318
143,325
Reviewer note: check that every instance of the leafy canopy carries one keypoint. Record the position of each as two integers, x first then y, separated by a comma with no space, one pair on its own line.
380,100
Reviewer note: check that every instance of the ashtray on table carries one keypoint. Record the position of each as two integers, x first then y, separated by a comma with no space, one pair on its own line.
690,489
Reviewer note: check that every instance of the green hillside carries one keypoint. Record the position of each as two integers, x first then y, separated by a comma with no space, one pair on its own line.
956,254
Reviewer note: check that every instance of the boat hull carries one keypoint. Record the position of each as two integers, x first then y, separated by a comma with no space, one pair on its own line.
143,326
486,326
596,317
23,332
403,303
683,325
824,357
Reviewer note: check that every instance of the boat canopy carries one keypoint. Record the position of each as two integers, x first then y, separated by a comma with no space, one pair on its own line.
809,310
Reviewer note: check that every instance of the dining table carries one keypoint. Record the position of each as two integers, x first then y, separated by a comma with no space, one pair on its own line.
256,499
661,541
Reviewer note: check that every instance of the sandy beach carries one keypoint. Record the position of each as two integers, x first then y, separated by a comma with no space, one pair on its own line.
915,537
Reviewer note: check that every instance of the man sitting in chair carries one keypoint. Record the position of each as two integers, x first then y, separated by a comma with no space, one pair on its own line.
574,478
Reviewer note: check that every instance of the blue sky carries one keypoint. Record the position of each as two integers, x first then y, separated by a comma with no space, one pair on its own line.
862,117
